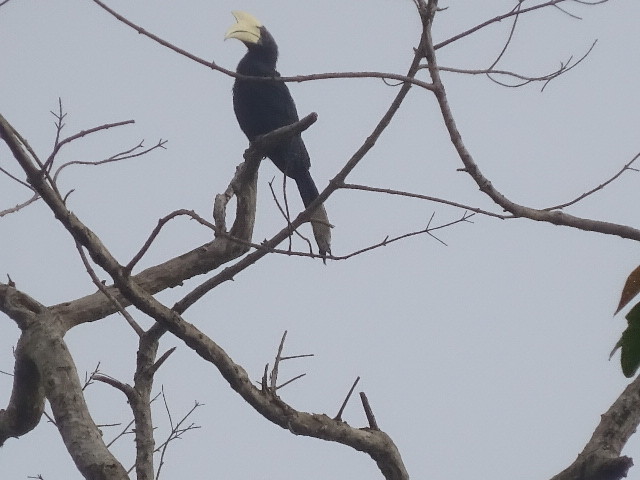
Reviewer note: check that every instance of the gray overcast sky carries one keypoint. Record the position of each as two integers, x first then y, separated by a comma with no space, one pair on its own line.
485,358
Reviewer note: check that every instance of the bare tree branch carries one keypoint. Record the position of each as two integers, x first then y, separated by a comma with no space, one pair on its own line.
346,400
388,240
284,211
368,412
88,379
378,446
625,168
511,13
139,399
14,178
20,206
126,430
138,290
525,79
53,370
59,144
470,166
207,257
26,404
428,230
198,261
273,384
96,281
118,157
601,457
390,191
117,384
276,363
161,223
299,78
177,431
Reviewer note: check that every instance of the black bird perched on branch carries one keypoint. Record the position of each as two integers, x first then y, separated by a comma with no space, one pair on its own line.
263,106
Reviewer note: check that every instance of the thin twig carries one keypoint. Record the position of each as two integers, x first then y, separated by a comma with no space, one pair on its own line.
263,383
273,376
13,177
291,357
567,12
19,206
176,431
290,381
368,412
49,418
161,360
512,30
122,433
626,167
386,241
137,328
276,364
88,379
390,191
346,400
59,144
161,223
526,79
118,157
499,18
59,126
286,215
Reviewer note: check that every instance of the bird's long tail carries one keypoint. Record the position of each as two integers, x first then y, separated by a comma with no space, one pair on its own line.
319,219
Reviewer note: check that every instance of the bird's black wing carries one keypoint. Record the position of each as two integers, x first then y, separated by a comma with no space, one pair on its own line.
262,107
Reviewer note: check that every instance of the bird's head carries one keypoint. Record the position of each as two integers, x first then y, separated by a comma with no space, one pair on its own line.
248,29
262,47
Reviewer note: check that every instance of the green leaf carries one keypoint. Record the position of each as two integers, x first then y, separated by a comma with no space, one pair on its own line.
630,343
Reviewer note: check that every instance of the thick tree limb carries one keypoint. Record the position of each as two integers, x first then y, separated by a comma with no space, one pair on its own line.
139,399
600,459
45,366
141,406
27,397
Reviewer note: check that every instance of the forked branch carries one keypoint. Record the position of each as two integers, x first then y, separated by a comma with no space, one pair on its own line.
485,185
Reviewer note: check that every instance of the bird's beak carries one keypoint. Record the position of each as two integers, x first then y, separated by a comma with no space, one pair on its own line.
247,28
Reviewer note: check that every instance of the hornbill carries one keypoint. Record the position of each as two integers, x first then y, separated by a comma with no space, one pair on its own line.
263,106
